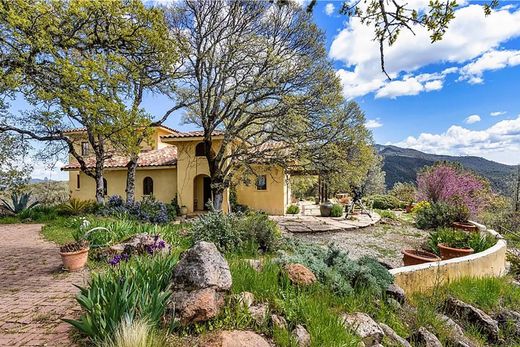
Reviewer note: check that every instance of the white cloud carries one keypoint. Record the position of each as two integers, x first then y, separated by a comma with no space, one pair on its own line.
373,123
43,170
470,35
494,142
329,9
411,86
474,118
492,60
497,113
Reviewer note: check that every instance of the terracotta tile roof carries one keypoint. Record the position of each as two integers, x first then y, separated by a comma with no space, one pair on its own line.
166,156
79,130
196,133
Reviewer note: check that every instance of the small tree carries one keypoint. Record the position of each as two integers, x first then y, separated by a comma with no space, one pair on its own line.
404,191
451,184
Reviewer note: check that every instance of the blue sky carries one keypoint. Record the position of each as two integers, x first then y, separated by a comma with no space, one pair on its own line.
459,96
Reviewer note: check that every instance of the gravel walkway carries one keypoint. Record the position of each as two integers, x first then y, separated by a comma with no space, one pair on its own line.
382,241
34,293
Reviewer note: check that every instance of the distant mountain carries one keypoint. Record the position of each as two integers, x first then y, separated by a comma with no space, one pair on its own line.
402,165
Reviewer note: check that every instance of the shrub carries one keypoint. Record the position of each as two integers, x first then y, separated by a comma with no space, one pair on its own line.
459,239
137,289
258,230
384,202
148,210
219,228
19,202
39,213
337,210
334,268
137,333
435,215
420,206
76,207
405,192
387,214
293,209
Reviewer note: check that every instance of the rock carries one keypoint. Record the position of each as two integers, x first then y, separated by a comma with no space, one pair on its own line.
302,336
397,293
246,299
392,336
278,321
197,306
299,274
202,266
424,338
255,264
258,313
141,243
455,329
237,338
394,304
200,281
361,323
510,320
459,310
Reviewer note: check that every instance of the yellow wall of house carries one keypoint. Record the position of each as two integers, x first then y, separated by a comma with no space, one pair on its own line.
274,199
164,184
189,167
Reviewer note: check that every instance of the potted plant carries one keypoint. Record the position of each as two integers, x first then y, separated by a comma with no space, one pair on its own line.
461,215
450,243
418,256
75,255
326,208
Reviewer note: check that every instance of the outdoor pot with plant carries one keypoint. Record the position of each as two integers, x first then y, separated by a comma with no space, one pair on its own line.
450,243
75,255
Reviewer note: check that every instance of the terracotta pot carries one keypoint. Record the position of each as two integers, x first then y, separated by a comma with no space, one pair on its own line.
415,256
74,261
450,252
465,226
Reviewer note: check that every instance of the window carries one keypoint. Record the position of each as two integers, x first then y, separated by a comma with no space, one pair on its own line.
78,182
200,150
261,182
84,148
147,186
105,187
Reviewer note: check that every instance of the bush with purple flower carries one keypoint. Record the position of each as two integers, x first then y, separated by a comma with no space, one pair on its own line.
148,210
141,245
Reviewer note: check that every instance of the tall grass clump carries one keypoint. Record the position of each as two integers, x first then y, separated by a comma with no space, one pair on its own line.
138,333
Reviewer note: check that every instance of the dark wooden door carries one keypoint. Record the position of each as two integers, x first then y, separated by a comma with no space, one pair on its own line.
207,191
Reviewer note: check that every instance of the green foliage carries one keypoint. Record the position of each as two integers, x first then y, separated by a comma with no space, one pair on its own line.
334,268
293,209
384,202
459,239
138,333
435,215
337,210
405,192
387,214
19,202
134,290
40,213
50,192
76,207
514,261
304,186
259,231
420,206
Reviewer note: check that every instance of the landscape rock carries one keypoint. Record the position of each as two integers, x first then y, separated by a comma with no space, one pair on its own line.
197,306
255,264
299,274
237,338
140,243
397,293
302,336
246,299
457,337
510,320
361,323
393,336
278,321
460,310
200,281
424,338
258,313
200,267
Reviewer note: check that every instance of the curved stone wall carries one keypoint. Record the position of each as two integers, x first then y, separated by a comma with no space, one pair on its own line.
490,263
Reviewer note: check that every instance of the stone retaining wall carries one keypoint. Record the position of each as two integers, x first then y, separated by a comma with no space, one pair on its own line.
490,263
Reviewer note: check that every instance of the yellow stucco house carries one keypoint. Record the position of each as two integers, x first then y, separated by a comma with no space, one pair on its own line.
172,164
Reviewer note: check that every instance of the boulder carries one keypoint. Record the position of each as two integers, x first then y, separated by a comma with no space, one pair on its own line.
255,264
457,337
361,323
459,310
424,338
237,338
302,336
246,299
278,321
200,267
397,293
510,320
258,313
141,243
299,274
197,306
393,336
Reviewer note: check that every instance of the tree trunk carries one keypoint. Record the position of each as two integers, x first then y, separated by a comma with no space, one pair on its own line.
218,198
130,180
100,187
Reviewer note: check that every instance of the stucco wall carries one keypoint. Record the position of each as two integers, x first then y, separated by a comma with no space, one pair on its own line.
164,184
419,278
274,199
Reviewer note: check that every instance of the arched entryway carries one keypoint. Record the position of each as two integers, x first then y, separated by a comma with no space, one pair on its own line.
201,192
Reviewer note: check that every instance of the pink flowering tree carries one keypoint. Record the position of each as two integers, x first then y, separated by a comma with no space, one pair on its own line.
450,184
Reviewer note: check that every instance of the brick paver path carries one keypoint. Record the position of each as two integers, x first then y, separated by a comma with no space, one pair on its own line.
34,293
